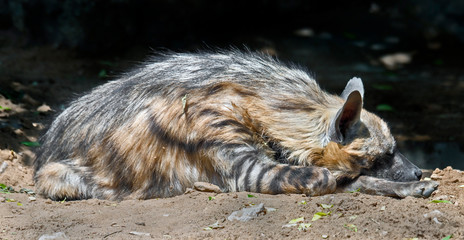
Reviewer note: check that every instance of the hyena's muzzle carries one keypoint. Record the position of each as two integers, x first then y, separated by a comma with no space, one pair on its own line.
395,167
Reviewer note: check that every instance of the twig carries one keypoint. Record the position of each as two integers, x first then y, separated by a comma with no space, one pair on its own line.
109,234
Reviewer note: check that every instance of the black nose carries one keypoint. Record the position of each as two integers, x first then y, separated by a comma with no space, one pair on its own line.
418,174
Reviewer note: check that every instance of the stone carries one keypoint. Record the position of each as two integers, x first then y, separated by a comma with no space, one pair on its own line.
246,214
206,187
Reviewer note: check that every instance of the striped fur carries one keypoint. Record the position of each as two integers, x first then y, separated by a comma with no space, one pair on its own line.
242,121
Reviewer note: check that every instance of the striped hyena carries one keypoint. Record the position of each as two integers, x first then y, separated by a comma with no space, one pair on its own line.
242,121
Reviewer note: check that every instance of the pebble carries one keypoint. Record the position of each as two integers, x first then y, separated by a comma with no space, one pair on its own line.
435,176
441,197
434,213
247,214
32,199
206,187
140,234
54,236
44,108
3,167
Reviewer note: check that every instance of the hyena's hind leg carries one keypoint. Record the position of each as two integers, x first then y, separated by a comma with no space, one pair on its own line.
62,180
252,171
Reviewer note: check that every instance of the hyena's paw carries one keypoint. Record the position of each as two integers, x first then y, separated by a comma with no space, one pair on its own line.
418,189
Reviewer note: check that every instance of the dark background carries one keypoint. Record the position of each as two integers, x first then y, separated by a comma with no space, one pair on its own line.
56,49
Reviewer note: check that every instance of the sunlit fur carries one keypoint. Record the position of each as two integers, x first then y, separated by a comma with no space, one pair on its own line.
242,121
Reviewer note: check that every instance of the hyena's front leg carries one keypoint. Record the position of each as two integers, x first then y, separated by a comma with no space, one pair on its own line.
251,170
377,186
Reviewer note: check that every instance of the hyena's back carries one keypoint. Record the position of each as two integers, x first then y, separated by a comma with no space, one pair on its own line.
240,121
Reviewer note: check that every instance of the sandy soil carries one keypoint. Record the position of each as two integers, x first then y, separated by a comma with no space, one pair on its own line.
198,215
194,214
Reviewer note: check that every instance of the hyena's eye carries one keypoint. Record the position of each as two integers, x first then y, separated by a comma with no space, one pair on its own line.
389,154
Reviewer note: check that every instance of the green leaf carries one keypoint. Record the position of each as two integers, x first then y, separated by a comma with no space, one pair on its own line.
19,204
439,62
319,215
447,237
440,201
6,189
384,107
211,198
31,144
357,190
304,226
213,226
5,108
102,74
303,202
385,87
326,206
350,35
251,196
296,220
316,217
64,200
351,227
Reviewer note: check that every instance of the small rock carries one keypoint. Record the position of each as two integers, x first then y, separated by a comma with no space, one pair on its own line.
7,154
32,199
247,214
434,213
435,176
2,199
3,167
269,209
393,61
206,187
436,221
44,108
140,234
48,201
188,190
289,225
441,197
54,236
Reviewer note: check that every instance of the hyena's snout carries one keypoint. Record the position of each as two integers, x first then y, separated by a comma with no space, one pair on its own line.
394,167
406,170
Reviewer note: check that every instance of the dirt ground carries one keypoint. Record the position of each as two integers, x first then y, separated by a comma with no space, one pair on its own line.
202,215
36,84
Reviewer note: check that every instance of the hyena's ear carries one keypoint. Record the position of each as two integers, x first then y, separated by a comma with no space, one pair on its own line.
350,113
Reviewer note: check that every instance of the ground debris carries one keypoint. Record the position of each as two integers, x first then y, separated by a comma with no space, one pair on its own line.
246,214
140,234
206,187
54,236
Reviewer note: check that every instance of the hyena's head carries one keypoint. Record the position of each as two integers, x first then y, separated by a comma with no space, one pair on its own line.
367,139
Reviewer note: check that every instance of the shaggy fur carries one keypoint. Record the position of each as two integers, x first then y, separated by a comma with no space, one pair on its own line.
242,121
